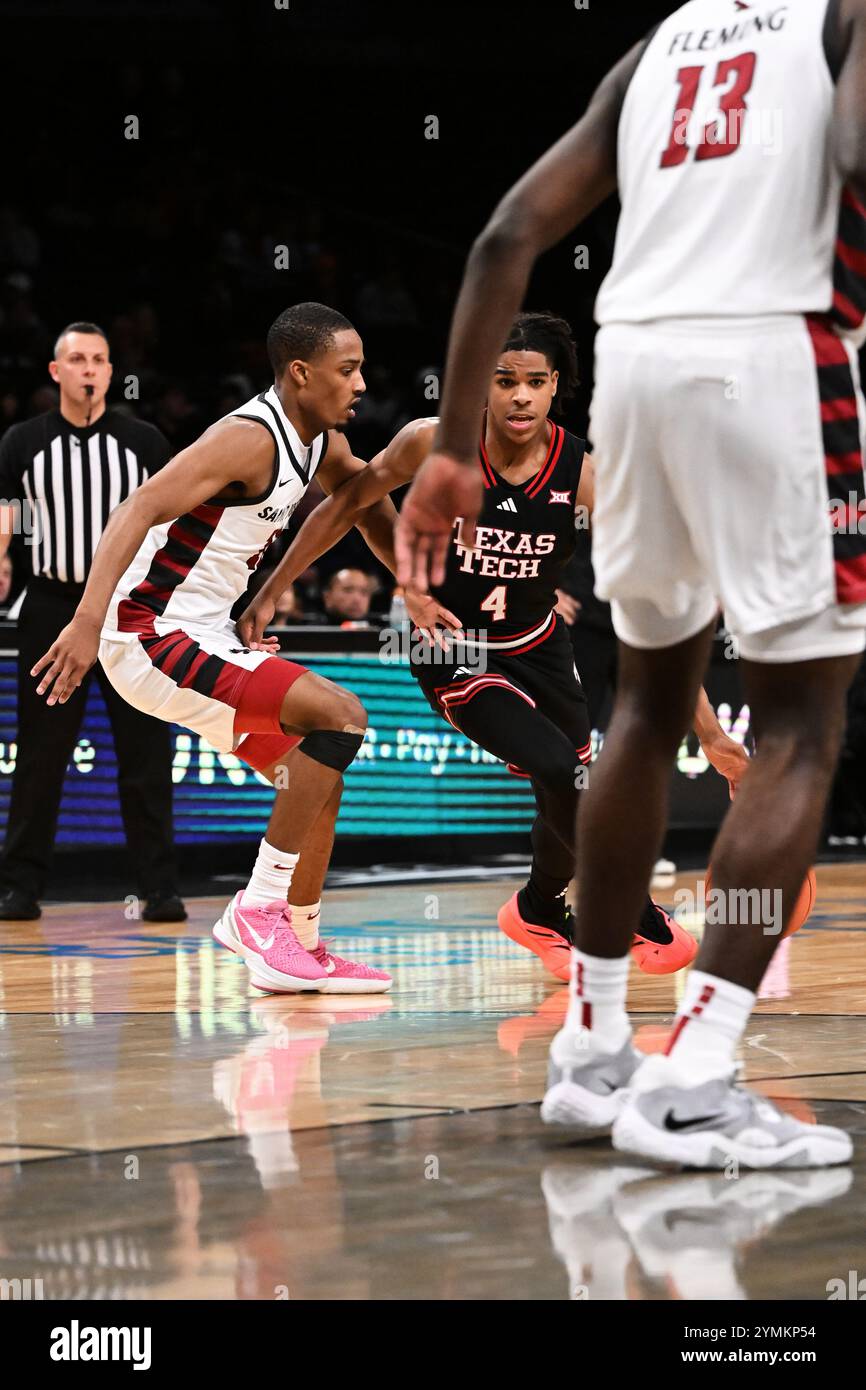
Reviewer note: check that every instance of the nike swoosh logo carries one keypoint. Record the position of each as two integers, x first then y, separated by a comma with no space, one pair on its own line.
262,945
283,481
673,1124
556,940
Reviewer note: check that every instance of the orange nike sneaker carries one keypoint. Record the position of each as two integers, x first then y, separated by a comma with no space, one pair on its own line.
661,946
552,947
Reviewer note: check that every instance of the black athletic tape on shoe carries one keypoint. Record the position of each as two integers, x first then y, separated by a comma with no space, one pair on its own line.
336,750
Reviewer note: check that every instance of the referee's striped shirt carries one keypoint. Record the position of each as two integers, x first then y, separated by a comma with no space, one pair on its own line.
65,481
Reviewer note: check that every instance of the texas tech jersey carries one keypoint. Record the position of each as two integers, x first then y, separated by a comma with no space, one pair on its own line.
505,588
731,199
189,573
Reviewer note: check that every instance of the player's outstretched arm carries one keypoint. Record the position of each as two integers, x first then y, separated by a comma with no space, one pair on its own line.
230,451
849,126
377,518
566,184
358,496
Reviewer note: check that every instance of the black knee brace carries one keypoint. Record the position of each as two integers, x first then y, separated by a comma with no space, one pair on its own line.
336,750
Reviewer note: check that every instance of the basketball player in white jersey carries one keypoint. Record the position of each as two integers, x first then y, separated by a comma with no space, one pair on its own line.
727,424
171,563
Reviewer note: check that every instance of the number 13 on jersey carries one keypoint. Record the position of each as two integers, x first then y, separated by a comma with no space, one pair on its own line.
732,105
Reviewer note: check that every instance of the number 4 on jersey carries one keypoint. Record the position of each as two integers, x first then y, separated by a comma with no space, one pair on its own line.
732,106
495,602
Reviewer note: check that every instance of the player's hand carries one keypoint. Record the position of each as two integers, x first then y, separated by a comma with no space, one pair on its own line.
431,618
729,758
67,661
251,625
444,488
567,607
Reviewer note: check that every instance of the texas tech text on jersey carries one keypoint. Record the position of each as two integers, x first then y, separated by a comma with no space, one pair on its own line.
506,582
495,552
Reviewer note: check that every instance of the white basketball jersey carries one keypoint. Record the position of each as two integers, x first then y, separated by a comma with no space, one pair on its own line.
731,200
189,573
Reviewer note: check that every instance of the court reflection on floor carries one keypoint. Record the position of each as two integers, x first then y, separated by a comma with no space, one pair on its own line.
624,1232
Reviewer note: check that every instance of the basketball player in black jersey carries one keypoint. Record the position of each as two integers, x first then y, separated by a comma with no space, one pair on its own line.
510,684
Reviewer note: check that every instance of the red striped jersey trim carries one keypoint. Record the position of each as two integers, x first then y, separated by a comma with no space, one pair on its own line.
175,654
514,643
467,690
537,481
849,269
843,455
553,459
184,544
488,472
839,410
528,647
185,663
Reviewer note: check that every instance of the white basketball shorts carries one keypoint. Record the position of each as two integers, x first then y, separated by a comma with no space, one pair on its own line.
206,681
729,472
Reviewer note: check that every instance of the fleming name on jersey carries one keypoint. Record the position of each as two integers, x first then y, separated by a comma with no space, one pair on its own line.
708,40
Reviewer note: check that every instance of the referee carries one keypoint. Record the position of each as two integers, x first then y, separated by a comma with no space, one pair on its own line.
70,468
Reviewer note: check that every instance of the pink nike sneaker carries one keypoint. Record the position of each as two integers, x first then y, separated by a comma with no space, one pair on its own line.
263,936
349,976
342,976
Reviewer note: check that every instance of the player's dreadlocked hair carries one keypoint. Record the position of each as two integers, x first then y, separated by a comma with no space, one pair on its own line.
302,331
551,336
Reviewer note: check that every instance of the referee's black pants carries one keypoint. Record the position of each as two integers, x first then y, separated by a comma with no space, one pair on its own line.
47,735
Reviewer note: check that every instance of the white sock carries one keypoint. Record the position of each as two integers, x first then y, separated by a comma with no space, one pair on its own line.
305,924
597,1000
709,1025
271,876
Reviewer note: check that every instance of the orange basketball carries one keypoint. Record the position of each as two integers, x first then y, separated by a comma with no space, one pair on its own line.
803,907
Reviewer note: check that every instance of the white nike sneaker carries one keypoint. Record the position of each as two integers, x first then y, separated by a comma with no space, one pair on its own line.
711,1125
586,1087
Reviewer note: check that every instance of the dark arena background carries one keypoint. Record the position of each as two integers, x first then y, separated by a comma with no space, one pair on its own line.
179,173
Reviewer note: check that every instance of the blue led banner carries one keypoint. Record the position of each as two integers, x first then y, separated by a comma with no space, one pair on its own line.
415,775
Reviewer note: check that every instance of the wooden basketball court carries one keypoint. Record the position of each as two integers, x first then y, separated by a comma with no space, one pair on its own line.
168,1133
